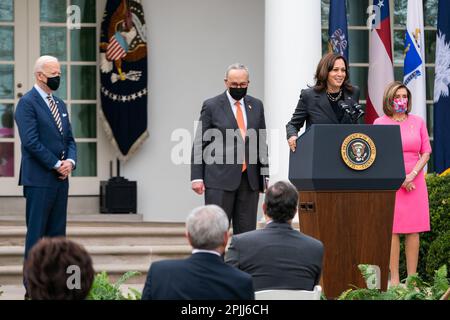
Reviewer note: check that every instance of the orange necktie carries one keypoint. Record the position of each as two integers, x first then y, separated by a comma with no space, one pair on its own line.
241,125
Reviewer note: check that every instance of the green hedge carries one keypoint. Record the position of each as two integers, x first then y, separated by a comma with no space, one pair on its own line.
432,251
439,253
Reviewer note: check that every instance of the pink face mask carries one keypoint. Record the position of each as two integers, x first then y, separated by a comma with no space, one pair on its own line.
400,105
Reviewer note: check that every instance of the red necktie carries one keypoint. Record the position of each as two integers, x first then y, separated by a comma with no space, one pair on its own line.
241,125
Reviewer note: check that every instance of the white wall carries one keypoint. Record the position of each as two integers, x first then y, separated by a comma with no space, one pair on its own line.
190,45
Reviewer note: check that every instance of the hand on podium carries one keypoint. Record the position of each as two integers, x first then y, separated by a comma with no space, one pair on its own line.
292,141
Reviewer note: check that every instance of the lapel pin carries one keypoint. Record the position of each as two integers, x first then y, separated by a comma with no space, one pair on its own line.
250,107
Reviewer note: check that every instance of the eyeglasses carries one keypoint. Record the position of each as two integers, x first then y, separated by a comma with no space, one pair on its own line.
239,85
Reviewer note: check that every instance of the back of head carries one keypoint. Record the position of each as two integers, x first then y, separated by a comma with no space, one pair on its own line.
281,201
58,269
206,226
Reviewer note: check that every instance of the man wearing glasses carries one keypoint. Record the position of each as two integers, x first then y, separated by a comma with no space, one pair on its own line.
229,161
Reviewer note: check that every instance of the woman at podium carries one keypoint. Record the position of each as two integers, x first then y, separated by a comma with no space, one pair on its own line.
411,214
329,101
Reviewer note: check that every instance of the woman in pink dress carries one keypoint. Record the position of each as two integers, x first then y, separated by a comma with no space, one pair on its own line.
411,214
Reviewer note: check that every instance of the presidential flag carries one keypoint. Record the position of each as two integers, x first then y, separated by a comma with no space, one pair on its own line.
441,149
337,28
123,75
381,70
414,67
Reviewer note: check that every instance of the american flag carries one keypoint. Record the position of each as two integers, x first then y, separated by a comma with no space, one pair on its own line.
117,47
381,70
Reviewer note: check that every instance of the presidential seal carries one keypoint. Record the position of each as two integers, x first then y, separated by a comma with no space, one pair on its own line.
358,151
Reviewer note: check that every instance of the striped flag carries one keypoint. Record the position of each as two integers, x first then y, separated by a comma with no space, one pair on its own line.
381,70
117,47
337,28
441,135
414,68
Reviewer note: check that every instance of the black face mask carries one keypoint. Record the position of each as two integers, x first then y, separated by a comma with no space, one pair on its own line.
238,93
53,82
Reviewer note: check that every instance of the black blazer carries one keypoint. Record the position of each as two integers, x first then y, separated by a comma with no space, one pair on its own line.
314,108
215,118
202,276
277,257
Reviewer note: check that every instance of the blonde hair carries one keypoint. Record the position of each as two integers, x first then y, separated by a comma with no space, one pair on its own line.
389,94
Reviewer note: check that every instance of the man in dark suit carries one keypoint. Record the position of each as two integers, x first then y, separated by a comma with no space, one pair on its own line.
204,275
229,161
48,154
278,257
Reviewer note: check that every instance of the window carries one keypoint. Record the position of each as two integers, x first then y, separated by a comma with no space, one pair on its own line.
76,50
7,61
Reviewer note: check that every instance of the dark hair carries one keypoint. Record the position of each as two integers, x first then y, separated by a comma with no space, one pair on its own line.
281,201
47,270
324,67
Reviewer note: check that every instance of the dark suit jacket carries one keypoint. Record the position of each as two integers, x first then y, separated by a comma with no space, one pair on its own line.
42,143
314,108
215,118
202,276
277,257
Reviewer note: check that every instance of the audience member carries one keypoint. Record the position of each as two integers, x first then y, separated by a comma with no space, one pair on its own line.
278,256
203,275
59,269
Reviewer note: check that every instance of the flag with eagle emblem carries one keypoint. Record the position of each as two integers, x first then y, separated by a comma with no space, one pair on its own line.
123,75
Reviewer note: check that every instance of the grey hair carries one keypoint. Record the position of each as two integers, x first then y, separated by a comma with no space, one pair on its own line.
41,61
236,66
206,226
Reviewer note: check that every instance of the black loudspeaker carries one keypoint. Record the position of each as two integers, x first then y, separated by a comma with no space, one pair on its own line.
118,195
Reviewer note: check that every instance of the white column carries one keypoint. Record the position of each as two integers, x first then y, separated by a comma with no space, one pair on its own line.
292,51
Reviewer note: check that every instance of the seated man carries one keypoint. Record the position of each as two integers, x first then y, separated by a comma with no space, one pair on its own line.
204,275
278,257
59,269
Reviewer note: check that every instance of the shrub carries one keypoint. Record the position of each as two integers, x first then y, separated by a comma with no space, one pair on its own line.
439,253
103,289
413,288
439,202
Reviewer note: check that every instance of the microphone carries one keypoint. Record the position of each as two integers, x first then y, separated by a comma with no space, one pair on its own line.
359,110
347,109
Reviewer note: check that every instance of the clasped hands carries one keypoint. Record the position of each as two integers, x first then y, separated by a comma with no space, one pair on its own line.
408,184
65,169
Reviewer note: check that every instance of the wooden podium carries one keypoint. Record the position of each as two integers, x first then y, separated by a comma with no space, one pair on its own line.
348,207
